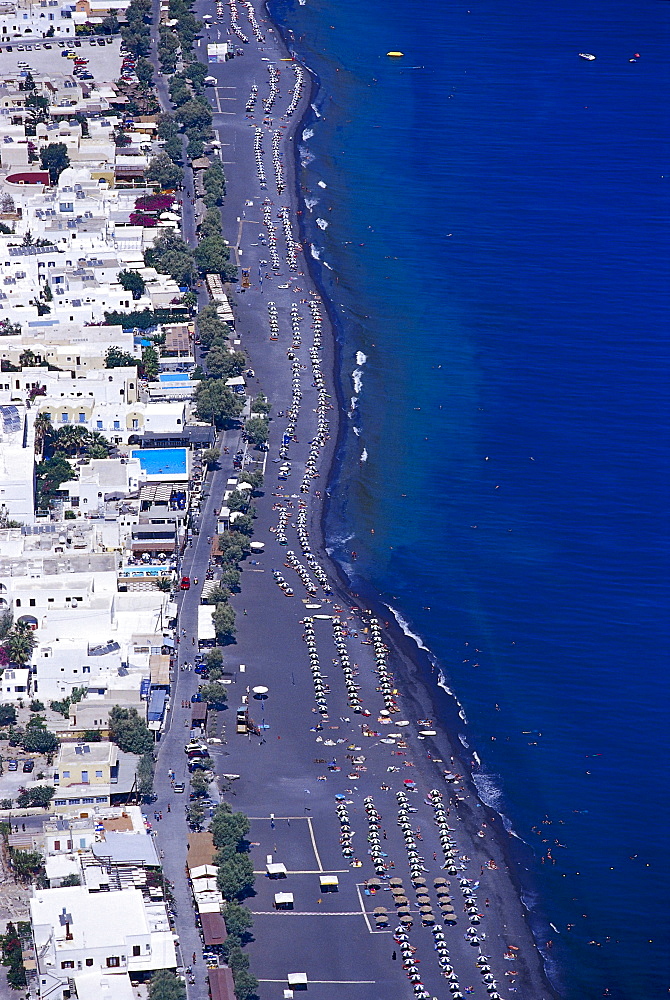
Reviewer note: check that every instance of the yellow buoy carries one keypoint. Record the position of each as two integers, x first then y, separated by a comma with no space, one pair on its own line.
396,55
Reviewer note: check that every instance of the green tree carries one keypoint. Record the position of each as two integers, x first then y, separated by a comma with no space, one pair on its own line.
39,741
150,363
71,880
229,828
116,358
216,403
238,500
200,784
50,476
195,815
70,439
163,583
213,659
168,127
235,876
223,363
26,864
244,523
255,479
212,256
109,25
7,716
131,281
144,72
211,223
217,595
129,731
164,172
230,577
261,404
166,985
171,255
224,623
54,158
214,693
238,920
211,456
19,644
256,430
40,795
145,775
246,985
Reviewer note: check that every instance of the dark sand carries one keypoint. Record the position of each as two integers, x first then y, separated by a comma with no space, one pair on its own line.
329,936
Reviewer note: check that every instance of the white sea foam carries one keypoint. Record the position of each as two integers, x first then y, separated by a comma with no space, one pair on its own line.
307,134
306,156
326,264
317,113
353,403
463,741
321,184
406,629
361,358
442,682
357,379
364,455
489,789
311,203
357,431
322,224
316,254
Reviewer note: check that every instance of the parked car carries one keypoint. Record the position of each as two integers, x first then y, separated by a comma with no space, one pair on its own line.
185,583
28,766
179,786
12,765
77,45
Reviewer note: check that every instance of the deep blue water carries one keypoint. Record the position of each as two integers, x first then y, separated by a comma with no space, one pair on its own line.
498,237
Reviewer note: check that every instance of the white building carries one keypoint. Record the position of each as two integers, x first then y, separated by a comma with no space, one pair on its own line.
71,938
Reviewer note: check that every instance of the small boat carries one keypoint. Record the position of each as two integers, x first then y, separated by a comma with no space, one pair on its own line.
395,55
587,56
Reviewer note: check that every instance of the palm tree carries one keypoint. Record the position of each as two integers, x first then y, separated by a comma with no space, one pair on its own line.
97,445
71,439
20,643
163,583
43,432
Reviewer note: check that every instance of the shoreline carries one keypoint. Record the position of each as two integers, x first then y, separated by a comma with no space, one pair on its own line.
445,705
417,699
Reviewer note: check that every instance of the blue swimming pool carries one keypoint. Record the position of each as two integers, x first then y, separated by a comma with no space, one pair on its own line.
162,461
174,377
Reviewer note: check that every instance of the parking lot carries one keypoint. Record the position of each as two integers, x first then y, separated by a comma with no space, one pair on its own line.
104,61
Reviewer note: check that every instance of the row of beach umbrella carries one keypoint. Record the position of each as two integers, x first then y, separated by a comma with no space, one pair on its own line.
345,830
255,26
234,19
273,320
310,558
258,154
251,103
483,964
294,409
353,695
297,91
291,245
280,533
317,677
374,837
282,583
271,228
294,563
448,846
277,163
274,87
385,679
409,963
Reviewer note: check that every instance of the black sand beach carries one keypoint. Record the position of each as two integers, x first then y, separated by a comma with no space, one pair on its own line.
292,775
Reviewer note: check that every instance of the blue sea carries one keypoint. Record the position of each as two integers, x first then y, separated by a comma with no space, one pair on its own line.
496,251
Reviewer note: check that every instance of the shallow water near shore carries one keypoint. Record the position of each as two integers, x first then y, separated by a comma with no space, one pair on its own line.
497,231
